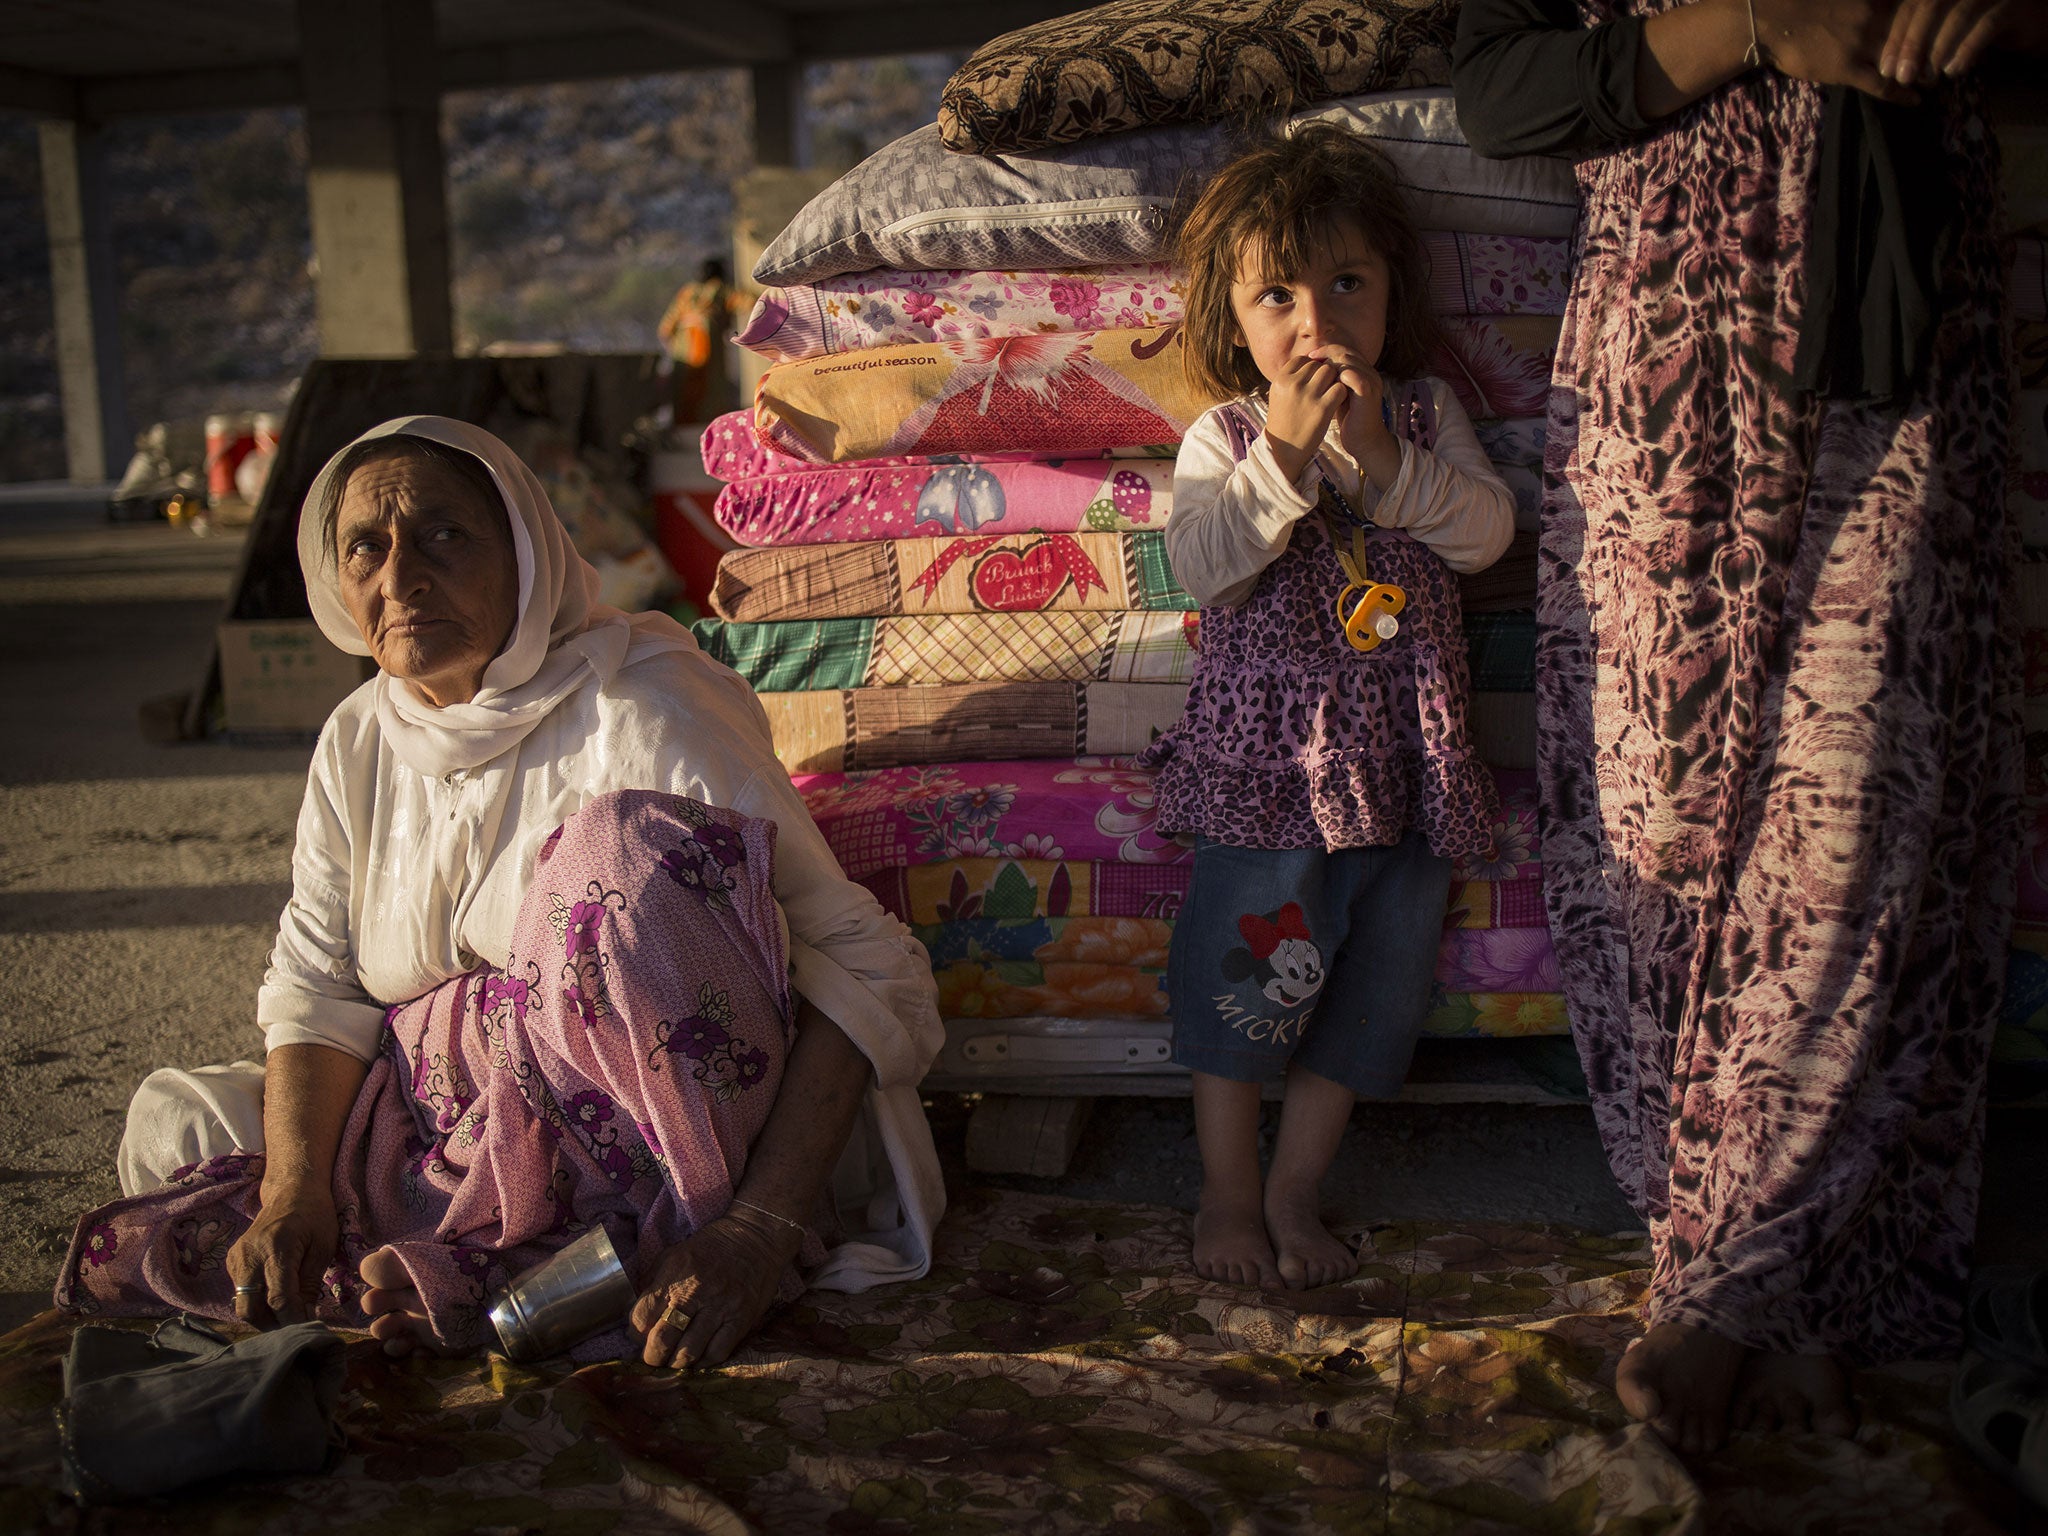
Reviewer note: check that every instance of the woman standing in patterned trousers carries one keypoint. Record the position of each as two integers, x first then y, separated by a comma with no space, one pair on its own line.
1777,679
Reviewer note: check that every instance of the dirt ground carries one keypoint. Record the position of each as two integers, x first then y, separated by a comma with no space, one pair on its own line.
139,888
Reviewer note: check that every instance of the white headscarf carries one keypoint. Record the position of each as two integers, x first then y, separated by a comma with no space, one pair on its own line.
562,641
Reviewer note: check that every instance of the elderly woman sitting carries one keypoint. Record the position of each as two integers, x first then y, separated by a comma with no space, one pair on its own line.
563,948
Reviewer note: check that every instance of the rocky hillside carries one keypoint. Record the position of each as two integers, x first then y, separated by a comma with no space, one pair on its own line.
575,210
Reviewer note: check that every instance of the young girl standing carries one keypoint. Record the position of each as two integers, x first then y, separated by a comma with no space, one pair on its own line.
1323,763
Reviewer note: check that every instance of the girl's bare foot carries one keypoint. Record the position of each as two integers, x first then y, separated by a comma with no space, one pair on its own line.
1230,1241
397,1315
1678,1380
1230,1222
1793,1392
1306,1254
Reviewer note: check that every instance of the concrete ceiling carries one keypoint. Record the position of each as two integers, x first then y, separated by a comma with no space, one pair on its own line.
99,59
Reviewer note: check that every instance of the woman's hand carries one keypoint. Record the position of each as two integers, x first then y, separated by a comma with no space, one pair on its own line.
285,1252
1831,42
1300,406
722,1279
1945,37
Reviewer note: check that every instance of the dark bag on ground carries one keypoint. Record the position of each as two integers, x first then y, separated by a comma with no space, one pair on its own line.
146,1413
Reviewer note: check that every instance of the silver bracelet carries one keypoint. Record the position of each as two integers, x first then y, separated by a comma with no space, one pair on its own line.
1755,56
793,1226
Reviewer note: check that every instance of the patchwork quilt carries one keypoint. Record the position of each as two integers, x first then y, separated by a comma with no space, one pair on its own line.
902,649
826,729
1058,645
978,886
991,573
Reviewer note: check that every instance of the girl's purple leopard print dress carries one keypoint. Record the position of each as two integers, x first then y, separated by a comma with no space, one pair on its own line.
1779,740
1293,739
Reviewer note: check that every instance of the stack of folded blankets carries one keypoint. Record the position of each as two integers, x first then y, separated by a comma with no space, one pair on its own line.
953,594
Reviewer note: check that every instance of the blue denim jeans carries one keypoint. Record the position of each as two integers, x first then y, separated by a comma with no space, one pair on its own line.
1328,958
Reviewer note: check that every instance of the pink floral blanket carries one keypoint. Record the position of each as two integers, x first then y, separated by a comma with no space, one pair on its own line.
1470,274
1077,392
733,450
846,504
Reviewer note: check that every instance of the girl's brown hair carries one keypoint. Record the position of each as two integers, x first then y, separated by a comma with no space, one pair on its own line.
1269,208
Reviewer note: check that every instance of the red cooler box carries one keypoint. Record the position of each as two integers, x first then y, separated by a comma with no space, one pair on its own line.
683,525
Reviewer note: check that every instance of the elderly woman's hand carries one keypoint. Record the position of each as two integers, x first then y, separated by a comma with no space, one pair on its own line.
712,1289
283,1254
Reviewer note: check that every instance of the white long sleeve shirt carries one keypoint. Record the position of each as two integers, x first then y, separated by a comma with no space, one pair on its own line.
1233,518
401,881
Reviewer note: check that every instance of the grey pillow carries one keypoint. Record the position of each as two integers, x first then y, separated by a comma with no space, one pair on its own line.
917,206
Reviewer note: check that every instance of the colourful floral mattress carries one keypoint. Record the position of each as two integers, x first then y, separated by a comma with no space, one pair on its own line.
1039,888
1086,809
1498,365
1064,1370
920,498
1062,394
1079,391
1471,960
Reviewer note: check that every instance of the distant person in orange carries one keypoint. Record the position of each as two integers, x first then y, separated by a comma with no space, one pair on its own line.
694,331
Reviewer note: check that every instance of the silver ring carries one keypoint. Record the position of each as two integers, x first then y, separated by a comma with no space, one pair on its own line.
248,1290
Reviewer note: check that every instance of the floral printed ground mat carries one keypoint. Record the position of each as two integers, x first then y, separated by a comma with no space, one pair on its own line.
1062,1369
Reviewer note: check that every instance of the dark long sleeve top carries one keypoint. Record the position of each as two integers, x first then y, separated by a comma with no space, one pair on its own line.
1532,81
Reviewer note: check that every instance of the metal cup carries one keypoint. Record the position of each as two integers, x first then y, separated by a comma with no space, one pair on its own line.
582,1290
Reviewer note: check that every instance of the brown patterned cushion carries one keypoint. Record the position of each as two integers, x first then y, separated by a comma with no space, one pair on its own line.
1133,63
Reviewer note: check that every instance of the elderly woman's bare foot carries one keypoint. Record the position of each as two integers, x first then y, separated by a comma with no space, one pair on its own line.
1307,1255
1793,1392
1678,1380
397,1315
1230,1242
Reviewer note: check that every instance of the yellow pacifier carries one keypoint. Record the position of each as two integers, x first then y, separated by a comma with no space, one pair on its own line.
1371,619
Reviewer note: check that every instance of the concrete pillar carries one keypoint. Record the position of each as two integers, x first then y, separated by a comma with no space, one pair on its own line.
97,435
376,182
778,91
763,202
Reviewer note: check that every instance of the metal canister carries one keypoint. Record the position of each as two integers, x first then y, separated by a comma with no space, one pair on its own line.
582,1290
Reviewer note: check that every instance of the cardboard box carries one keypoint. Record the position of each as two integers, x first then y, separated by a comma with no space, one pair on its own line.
283,675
